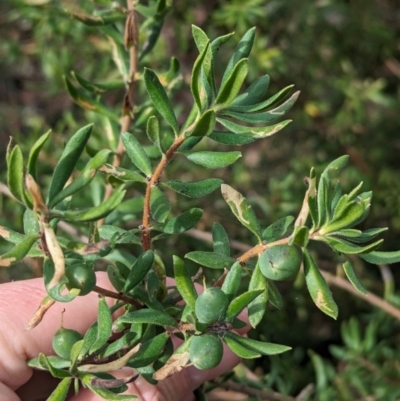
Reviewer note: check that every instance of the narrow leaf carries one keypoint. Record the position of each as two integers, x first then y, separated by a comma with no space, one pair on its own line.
278,229
351,275
139,270
67,162
19,251
61,391
194,189
317,287
34,153
210,259
212,159
242,50
160,99
15,173
343,246
149,351
220,240
136,153
148,316
229,138
232,280
239,349
205,125
231,87
242,209
183,222
160,206
263,348
257,308
104,325
195,85
153,131
380,258
241,302
253,93
184,282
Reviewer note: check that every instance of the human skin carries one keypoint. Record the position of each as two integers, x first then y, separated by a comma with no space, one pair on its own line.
19,301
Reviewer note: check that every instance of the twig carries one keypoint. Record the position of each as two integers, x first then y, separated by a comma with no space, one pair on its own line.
266,395
115,295
330,278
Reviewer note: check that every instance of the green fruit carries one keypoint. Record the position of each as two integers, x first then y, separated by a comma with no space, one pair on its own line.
63,341
206,351
280,262
81,277
211,305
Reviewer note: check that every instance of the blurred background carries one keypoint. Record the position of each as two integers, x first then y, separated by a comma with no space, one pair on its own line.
344,56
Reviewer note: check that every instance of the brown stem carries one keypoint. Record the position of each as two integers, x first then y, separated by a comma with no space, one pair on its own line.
267,395
131,43
120,297
330,278
252,252
154,180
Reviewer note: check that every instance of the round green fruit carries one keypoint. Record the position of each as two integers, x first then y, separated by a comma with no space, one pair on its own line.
206,351
280,262
63,341
81,277
211,305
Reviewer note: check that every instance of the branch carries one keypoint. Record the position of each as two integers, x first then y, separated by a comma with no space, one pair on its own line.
330,278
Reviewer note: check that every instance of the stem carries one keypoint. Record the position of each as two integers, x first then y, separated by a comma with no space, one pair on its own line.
153,181
131,36
115,295
330,278
252,252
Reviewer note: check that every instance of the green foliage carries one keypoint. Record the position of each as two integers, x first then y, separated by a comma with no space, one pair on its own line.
92,189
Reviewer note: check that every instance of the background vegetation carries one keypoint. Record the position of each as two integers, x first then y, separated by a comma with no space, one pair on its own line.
344,57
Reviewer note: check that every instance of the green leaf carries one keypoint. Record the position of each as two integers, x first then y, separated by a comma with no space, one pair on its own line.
263,348
257,308
123,174
86,177
19,251
30,221
104,392
116,278
229,138
61,391
212,159
136,153
160,206
342,246
381,258
196,84
351,275
232,280
67,162
365,236
242,51
205,125
253,132
220,240
253,93
55,372
333,169
241,302
97,87
274,296
249,108
323,201
149,351
88,103
231,87
88,340
104,326
34,153
184,282
265,116
148,316
210,259
183,222
153,131
239,349
299,236
119,53
94,213
317,287
15,173
242,209
152,34
160,99
278,229
194,189
139,270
